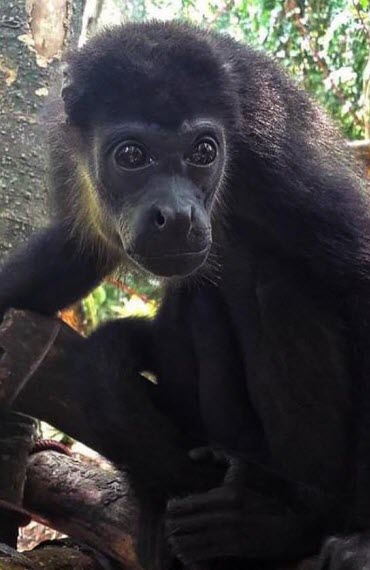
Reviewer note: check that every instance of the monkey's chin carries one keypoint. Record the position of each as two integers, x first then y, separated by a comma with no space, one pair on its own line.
172,265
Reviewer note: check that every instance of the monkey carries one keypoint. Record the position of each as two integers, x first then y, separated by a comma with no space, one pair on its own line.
181,153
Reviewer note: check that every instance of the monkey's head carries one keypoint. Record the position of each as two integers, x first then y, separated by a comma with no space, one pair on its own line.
152,105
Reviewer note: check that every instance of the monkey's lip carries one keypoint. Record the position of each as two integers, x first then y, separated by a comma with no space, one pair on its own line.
171,255
172,264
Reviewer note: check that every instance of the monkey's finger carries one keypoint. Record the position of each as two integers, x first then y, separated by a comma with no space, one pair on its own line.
191,548
202,522
216,499
235,474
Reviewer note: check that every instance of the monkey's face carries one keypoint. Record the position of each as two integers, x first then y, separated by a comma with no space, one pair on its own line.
158,187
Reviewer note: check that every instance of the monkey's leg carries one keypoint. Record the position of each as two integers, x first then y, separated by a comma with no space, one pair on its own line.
51,271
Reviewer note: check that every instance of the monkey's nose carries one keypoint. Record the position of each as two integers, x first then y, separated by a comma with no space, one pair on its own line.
170,220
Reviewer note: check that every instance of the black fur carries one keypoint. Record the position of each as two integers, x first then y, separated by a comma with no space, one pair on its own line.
262,351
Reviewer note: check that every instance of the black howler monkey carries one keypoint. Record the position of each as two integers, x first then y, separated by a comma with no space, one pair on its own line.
187,155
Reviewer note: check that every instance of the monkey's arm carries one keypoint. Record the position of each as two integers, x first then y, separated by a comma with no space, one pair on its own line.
122,410
50,272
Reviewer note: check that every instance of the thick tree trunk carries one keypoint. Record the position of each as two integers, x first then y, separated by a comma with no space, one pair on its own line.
32,36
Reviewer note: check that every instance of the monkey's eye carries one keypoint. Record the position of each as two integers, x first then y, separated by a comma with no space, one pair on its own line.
203,153
131,156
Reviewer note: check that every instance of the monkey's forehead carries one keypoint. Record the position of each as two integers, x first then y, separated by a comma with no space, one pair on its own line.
107,134
151,71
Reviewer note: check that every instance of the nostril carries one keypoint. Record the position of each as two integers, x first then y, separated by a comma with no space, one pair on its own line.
192,214
159,219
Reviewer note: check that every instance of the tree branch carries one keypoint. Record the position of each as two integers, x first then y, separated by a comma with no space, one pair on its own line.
94,506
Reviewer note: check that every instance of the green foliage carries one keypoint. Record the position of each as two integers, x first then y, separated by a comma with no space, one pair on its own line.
324,44
139,297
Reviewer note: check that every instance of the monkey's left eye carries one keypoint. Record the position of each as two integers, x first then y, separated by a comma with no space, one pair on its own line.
203,153
131,156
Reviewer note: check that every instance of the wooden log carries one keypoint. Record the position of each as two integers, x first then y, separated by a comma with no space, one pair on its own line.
92,505
52,556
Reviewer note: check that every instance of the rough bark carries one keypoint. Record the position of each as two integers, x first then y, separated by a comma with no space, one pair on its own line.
92,505
56,555
32,36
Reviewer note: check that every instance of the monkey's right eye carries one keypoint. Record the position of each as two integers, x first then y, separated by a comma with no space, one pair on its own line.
131,156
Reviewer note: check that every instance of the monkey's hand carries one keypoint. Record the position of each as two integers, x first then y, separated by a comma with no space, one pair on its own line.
234,521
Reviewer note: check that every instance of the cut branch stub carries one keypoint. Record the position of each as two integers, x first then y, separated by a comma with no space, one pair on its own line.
34,371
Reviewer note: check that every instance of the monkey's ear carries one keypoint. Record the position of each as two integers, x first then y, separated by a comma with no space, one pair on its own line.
70,93
66,77
67,86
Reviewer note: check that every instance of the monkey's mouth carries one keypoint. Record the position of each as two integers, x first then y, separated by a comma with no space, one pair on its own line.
171,264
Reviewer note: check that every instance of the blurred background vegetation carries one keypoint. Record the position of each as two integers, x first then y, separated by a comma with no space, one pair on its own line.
324,45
